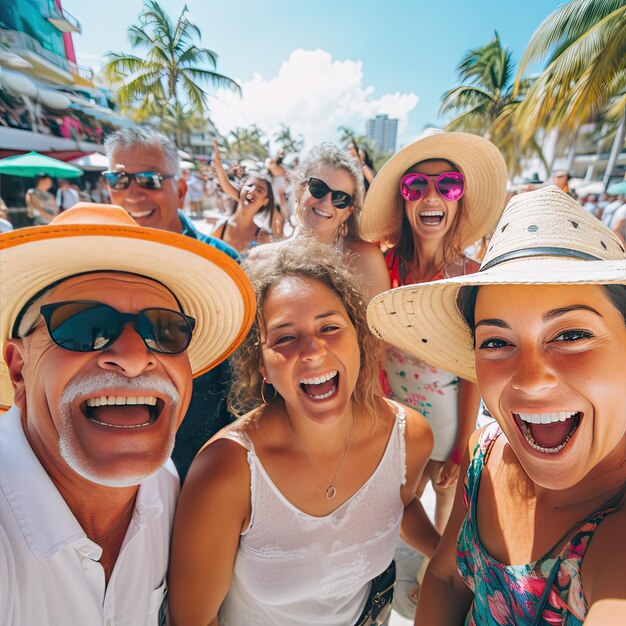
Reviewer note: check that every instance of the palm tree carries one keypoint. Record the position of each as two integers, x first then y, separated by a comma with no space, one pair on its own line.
347,136
247,143
287,141
585,73
181,121
486,88
486,101
169,72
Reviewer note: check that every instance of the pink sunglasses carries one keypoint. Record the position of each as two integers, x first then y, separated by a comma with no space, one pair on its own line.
449,185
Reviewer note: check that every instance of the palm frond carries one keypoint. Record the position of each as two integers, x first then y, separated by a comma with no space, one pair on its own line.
570,22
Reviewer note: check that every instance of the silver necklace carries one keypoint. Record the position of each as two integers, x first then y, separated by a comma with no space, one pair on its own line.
119,521
331,491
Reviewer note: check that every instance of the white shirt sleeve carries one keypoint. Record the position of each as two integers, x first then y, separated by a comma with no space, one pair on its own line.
7,581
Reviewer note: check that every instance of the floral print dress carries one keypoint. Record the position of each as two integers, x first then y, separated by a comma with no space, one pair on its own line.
431,391
510,594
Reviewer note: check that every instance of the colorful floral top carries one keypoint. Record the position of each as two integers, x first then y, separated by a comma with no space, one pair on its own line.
510,594
431,391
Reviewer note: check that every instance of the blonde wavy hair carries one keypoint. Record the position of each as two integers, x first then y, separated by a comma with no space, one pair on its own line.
329,155
307,258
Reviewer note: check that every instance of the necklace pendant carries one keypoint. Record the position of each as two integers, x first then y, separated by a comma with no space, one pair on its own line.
330,493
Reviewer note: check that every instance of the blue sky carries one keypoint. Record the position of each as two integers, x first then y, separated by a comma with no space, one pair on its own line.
318,65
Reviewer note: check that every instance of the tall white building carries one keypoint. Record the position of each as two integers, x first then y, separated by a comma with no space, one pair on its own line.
383,131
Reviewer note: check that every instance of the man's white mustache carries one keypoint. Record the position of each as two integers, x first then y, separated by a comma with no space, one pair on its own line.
99,384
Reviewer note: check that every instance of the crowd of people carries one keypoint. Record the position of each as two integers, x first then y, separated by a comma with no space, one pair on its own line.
23,113
304,370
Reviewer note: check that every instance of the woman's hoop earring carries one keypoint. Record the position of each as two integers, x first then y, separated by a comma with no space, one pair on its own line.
263,383
343,229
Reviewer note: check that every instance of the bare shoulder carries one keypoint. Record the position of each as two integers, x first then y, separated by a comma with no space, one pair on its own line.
370,262
418,434
603,566
221,468
363,248
416,425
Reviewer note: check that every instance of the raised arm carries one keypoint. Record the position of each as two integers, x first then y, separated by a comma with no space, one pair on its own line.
222,177
417,529
213,509
444,599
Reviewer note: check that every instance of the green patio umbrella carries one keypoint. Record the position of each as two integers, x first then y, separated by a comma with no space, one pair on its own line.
617,188
33,163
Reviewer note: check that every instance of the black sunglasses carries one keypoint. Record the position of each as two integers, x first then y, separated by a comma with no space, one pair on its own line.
318,189
145,180
85,326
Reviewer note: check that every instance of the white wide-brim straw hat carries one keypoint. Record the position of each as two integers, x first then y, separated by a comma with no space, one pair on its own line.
208,284
477,159
543,237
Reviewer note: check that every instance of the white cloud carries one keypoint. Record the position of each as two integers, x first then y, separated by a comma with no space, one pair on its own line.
313,95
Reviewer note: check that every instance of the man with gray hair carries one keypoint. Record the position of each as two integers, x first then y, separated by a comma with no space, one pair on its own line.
101,334
143,179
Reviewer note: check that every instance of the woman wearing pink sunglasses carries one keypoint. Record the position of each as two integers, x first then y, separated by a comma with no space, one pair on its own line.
427,204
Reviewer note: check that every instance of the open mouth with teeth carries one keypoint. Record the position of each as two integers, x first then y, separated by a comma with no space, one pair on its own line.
431,218
548,432
141,214
321,213
321,387
123,412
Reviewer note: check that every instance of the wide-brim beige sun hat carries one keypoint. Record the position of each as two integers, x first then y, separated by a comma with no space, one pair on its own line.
208,284
483,200
543,237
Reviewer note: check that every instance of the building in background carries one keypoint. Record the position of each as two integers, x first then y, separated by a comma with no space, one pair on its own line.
383,131
48,103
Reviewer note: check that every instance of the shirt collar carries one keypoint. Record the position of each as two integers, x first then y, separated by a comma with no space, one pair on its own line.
47,523
188,228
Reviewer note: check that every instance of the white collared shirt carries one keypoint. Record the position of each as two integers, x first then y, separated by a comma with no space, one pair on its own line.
49,569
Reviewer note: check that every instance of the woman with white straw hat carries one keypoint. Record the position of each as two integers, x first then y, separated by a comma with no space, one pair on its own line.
536,535
429,202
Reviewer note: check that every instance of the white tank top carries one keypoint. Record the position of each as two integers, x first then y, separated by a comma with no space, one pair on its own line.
293,569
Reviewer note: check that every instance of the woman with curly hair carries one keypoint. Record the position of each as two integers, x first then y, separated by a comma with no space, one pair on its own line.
291,515
329,195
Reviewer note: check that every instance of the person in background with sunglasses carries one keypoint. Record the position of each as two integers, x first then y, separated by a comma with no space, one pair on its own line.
329,197
143,180
101,334
428,203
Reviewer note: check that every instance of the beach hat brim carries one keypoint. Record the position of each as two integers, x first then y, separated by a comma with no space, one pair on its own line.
208,284
479,160
424,320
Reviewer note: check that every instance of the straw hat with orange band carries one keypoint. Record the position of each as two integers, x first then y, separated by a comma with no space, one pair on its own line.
208,284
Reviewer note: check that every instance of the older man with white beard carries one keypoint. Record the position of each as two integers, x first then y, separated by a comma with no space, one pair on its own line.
100,339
